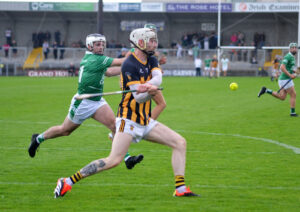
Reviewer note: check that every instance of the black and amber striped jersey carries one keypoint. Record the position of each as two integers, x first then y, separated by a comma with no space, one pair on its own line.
276,64
214,63
134,71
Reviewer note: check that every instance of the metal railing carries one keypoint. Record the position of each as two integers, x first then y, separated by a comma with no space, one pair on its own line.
14,53
183,59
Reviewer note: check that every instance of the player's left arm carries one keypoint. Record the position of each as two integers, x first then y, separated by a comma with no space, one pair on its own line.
113,71
150,86
118,61
156,77
156,72
160,105
283,69
158,97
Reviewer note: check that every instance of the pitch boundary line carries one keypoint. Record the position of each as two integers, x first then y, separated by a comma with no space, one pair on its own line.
144,150
296,150
241,187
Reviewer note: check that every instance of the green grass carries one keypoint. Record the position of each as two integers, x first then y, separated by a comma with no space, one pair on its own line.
230,162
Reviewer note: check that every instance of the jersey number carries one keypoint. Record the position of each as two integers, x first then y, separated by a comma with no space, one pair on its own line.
80,73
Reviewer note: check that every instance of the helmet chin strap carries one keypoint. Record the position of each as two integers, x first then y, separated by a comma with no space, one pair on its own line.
149,54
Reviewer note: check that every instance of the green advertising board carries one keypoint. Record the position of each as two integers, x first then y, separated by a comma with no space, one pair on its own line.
49,6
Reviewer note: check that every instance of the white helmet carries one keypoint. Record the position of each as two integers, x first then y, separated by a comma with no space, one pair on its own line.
144,34
291,45
90,39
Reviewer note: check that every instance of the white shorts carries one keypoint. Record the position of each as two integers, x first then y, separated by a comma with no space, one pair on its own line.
206,68
137,131
80,110
282,83
224,69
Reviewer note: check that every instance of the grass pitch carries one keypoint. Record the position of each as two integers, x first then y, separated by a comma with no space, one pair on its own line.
241,153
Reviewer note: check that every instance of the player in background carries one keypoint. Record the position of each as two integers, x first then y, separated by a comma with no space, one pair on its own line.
287,75
93,67
140,71
224,65
198,65
275,69
214,71
207,62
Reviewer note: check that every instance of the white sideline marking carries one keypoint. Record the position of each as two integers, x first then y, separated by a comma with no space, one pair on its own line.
144,150
296,150
242,187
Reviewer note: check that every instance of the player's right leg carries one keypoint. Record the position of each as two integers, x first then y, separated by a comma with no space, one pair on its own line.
105,115
292,92
211,73
65,129
164,135
262,91
79,111
130,161
224,72
281,95
119,148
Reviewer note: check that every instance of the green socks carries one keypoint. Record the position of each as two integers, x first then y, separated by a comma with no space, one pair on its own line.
293,110
269,91
126,156
40,138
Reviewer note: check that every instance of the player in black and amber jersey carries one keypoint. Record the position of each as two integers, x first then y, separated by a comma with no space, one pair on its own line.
129,108
141,72
275,68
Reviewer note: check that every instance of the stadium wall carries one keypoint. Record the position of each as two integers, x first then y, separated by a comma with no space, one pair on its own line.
280,29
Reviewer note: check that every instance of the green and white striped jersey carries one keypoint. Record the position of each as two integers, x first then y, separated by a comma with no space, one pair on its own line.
207,62
289,62
91,74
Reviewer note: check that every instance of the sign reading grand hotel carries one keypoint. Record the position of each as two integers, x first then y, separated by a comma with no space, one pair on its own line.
267,7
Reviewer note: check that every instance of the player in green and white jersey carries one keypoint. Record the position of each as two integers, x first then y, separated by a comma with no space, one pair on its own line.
285,80
93,67
207,62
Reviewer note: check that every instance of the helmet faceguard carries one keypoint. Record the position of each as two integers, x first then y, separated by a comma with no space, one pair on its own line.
293,45
90,39
144,34
151,26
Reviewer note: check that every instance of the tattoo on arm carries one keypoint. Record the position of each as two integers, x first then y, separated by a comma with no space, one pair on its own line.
92,168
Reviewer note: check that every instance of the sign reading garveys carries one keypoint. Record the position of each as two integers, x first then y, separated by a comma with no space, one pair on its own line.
267,7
